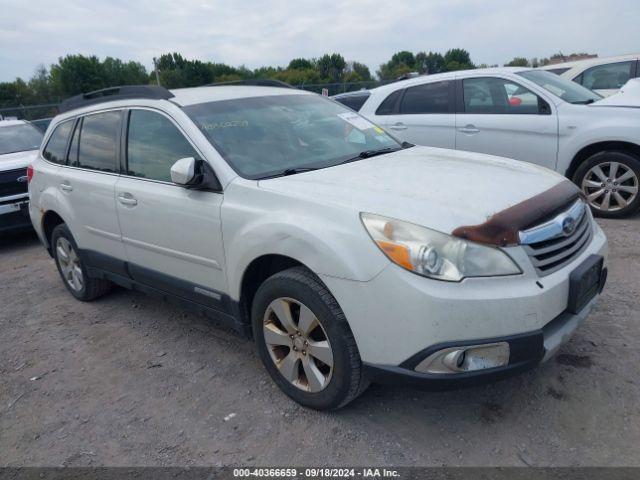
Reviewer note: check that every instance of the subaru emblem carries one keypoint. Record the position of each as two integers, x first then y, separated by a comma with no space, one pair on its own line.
568,226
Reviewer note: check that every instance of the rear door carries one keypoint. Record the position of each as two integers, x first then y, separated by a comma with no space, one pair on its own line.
424,115
501,117
87,186
172,234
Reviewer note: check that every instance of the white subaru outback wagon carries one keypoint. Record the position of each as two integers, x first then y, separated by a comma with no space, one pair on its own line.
349,256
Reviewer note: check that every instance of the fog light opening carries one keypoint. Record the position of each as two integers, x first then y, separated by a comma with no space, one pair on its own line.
466,358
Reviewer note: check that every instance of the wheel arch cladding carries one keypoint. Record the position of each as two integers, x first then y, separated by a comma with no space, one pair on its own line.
256,273
50,220
589,150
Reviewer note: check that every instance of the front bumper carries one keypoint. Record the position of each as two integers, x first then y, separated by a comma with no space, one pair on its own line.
526,351
14,214
397,315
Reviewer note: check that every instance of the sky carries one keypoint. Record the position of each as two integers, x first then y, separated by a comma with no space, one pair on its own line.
271,32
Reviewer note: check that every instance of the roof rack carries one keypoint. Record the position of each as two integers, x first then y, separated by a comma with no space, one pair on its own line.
115,93
258,82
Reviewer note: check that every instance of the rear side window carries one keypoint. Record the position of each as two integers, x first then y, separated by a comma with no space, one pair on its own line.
606,77
558,71
354,102
154,144
427,98
56,148
388,106
490,95
98,142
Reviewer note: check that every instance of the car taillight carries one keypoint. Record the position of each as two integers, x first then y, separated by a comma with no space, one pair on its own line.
29,173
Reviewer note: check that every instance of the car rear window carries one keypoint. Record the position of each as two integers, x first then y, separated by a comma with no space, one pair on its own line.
354,102
19,138
388,106
427,98
557,71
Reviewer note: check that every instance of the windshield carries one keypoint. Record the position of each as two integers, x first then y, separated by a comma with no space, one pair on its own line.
561,87
264,136
19,138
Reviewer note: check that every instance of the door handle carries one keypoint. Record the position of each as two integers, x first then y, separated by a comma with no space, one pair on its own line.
470,129
66,186
127,199
398,126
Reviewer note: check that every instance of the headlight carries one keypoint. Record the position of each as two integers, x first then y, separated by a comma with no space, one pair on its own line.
435,254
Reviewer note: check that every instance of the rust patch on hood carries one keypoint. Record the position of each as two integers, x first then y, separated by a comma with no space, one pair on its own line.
501,229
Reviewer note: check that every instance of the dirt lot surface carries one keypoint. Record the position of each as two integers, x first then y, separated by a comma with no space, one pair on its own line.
128,380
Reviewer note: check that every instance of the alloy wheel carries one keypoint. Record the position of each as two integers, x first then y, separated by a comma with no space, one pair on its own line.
69,264
610,186
298,344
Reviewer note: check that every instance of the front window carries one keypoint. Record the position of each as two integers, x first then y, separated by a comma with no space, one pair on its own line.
492,95
19,138
561,87
264,136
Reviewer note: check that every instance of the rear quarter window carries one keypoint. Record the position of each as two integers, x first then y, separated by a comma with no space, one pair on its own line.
354,102
56,148
427,98
388,106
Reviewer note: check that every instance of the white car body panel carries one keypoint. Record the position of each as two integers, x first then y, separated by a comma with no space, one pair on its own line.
551,141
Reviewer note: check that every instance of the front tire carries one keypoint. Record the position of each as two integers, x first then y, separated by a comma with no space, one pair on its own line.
72,269
304,341
610,182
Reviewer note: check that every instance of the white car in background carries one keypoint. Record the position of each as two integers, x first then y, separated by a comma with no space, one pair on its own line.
525,114
604,76
19,144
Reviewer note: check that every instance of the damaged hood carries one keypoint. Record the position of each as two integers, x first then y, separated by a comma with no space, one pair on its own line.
437,188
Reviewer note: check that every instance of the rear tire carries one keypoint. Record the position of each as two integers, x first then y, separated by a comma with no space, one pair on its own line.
310,352
610,181
72,269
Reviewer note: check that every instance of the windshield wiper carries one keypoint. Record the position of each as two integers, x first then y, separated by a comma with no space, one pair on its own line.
290,171
371,153
583,102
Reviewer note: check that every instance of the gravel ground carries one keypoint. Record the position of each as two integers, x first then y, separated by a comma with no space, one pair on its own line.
128,380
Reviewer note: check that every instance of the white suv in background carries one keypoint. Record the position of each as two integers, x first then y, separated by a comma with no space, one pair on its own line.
349,256
603,75
525,114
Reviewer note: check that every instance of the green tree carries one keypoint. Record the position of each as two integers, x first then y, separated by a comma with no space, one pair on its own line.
457,59
517,62
75,74
401,63
300,64
331,67
429,63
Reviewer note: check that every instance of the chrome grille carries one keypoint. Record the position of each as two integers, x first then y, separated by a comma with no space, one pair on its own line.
553,244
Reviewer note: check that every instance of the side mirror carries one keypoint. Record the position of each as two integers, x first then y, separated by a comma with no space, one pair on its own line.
183,172
195,174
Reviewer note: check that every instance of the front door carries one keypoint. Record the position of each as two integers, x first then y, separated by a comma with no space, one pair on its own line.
501,117
172,235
